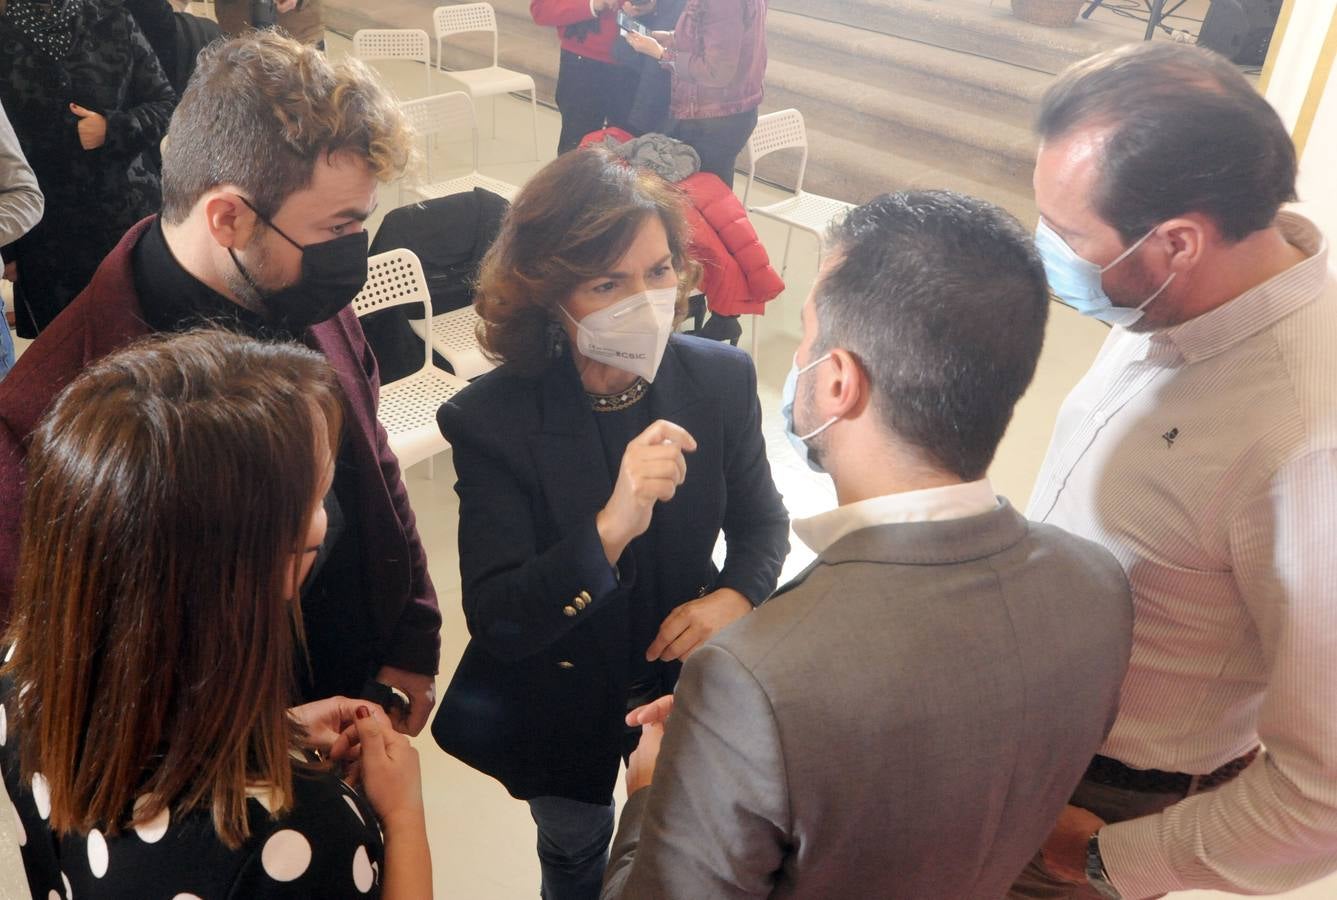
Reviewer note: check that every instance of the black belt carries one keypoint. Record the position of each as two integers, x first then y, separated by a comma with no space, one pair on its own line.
1112,773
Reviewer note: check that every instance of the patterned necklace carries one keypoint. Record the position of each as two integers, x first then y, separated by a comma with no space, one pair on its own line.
616,402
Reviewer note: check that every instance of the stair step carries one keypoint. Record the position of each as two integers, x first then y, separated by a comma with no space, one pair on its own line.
988,31
905,124
951,78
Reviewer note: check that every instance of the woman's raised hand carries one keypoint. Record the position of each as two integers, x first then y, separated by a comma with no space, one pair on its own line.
652,467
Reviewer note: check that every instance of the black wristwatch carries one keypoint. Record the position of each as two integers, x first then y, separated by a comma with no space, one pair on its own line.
391,699
1096,875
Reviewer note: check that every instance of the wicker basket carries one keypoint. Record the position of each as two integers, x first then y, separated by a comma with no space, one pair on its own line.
1054,13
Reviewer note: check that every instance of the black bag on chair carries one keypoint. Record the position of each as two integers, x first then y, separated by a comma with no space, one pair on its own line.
449,235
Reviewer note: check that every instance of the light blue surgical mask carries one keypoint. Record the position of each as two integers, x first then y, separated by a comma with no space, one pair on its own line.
800,442
1076,282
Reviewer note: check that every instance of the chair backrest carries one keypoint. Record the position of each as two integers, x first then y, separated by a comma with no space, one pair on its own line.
394,43
462,18
449,114
395,278
779,130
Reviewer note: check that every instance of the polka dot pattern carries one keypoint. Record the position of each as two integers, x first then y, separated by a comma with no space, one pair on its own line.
286,855
363,874
98,857
352,804
4,725
152,831
51,29
41,795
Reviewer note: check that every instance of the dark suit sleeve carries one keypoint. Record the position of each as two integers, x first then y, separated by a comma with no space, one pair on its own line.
756,525
515,592
716,821
151,98
415,644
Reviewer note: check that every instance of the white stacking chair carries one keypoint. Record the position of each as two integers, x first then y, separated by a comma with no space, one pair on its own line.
454,335
809,212
373,44
449,115
492,80
408,406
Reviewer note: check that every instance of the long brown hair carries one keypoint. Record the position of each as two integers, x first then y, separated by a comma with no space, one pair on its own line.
571,222
169,487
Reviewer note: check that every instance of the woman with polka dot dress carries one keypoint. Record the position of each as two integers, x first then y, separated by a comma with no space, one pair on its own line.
146,743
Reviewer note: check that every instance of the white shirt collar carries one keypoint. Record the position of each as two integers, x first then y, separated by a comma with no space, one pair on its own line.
955,501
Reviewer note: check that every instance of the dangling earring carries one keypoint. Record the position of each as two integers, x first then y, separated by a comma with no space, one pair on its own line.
556,339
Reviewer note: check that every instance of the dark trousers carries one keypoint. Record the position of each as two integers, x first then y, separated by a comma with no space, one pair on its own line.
717,141
590,95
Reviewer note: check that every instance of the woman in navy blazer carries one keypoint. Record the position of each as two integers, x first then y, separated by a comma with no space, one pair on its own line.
593,487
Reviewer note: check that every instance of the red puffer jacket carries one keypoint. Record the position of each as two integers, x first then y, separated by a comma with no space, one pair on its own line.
737,277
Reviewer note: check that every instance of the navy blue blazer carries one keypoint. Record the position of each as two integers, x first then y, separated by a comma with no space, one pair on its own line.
539,697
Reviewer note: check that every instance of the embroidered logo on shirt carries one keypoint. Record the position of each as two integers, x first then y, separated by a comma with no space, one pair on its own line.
1169,437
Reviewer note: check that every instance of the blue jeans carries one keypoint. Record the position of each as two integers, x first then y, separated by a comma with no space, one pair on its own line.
6,343
573,846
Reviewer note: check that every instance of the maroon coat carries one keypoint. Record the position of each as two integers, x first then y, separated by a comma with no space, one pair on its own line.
105,317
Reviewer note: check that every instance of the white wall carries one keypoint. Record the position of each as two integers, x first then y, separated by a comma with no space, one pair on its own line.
1300,73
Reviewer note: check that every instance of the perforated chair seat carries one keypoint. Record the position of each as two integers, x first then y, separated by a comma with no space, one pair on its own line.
454,335
463,185
492,80
408,412
811,212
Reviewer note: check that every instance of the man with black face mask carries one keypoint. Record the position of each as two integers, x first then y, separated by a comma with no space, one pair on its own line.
270,170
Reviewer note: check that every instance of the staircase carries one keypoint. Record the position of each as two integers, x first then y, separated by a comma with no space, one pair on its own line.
896,93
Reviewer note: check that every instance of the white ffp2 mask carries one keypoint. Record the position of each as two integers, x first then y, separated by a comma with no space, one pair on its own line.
631,334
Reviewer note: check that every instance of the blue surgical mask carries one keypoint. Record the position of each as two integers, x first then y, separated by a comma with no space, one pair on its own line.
800,442
1076,282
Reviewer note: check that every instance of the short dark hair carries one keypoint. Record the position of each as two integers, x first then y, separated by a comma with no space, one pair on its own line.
572,221
942,299
1185,132
259,112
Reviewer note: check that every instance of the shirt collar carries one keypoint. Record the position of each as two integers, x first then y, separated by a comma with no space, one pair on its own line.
955,501
1259,307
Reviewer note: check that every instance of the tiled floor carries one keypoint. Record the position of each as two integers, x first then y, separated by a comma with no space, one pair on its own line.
482,841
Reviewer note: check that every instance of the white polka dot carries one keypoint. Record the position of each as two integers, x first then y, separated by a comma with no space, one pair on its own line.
353,806
4,725
53,895
152,831
97,853
41,795
363,874
69,891
187,897
286,855
376,870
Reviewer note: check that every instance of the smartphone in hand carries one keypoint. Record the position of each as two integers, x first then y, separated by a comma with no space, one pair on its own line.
627,23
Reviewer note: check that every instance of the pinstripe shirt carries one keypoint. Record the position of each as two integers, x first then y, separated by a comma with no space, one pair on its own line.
1204,457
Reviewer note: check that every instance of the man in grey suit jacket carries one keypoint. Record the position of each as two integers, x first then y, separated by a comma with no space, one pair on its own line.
908,717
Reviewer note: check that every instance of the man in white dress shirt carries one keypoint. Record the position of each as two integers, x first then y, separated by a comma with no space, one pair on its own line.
1201,449
909,715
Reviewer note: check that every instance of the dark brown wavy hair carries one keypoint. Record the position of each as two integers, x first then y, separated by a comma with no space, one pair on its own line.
571,222
170,489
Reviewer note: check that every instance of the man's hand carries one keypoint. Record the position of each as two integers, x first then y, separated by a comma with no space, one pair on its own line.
641,764
422,696
324,720
1064,851
695,622
653,465
635,10
11,272
92,127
